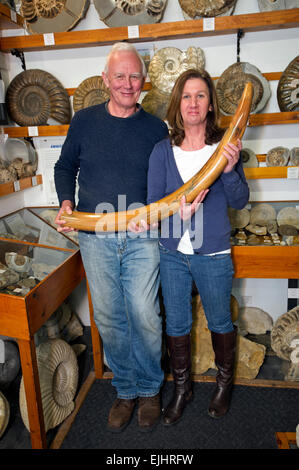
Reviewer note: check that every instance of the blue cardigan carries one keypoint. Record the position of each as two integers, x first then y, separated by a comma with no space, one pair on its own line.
230,189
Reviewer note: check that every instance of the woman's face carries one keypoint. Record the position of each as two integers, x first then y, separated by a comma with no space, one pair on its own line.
195,102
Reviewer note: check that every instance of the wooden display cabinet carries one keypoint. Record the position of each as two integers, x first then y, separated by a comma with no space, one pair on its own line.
23,312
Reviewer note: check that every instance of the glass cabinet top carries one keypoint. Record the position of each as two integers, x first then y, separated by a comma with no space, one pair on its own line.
26,226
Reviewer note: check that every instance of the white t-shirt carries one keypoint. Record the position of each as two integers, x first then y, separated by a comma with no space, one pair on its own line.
188,163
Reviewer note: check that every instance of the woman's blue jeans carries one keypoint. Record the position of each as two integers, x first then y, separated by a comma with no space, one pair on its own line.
123,276
213,276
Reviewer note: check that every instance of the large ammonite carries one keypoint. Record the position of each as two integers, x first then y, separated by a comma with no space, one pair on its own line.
156,102
130,12
206,8
278,156
232,82
288,87
269,5
284,332
47,16
90,92
58,377
35,95
169,63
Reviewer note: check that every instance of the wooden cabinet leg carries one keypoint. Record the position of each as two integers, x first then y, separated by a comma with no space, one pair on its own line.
33,395
97,346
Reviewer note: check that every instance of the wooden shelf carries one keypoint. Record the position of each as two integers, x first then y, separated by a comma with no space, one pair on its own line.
9,19
24,183
269,172
157,31
267,262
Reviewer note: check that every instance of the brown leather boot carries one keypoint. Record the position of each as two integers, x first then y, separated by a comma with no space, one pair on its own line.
180,359
224,345
120,414
149,412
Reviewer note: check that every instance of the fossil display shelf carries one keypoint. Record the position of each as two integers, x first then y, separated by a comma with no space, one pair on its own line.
20,185
21,315
9,19
172,30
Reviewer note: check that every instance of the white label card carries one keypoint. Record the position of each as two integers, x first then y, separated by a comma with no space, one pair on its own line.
293,172
133,31
293,293
34,181
16,185
13,16
32,131
208,24
49,39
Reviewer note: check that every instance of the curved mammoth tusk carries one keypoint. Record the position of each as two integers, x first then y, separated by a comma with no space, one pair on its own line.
169,205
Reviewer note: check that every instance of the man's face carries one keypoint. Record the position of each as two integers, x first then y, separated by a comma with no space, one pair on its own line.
124,80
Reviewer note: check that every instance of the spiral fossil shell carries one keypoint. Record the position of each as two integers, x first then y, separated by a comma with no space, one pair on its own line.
249,159
232,82
284,332
52,16
294,156
130,12
288,87
206,8
169,63
261,214
35,95
156,102
288,216
278,156
4,414
269,5
58,376
90,92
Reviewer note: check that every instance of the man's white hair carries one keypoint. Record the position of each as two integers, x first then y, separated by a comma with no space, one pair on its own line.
124,46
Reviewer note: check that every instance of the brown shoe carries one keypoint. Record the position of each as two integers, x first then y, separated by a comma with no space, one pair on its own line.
149,412
120,414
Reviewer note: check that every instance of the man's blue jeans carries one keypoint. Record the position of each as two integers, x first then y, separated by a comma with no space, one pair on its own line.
123,276
213,277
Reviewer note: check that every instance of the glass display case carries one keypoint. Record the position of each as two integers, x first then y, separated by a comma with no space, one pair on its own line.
39,269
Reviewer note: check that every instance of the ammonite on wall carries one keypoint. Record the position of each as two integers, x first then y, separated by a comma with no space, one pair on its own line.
169,63
288,87
278,156
231,85
156,102
268,5
284,331
249,159
206,8
294,156
34,96
130,12
90,92
44,16
58,376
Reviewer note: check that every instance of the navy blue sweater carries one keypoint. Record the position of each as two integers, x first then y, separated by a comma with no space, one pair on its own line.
229,189
111,155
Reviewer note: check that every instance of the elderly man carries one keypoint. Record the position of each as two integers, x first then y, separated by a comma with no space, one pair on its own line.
110,144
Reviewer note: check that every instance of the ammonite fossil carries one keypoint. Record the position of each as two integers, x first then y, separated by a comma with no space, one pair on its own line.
238,218
288,216
249,159
269,5
130,12
206,8
288,87
284,331
294,156
169,63
52,16
156,102
90,92
262,213
231,84
58,377
34,96
169,205
278,156
4,414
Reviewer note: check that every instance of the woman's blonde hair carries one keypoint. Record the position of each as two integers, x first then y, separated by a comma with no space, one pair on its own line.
177,133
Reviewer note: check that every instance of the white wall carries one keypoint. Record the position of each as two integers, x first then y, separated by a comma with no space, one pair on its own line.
269,51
